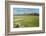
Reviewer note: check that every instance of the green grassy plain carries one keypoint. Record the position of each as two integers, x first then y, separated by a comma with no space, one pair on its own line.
26,21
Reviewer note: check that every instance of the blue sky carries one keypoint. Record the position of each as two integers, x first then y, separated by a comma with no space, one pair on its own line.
25,10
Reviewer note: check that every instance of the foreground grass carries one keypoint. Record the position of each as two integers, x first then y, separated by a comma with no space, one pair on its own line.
26,21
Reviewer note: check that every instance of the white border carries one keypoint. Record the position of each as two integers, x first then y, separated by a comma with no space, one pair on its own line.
29,28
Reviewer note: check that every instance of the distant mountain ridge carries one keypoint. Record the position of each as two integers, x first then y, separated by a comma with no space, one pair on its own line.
37,14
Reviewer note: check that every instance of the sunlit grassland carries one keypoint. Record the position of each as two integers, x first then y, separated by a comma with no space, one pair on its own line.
26,21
